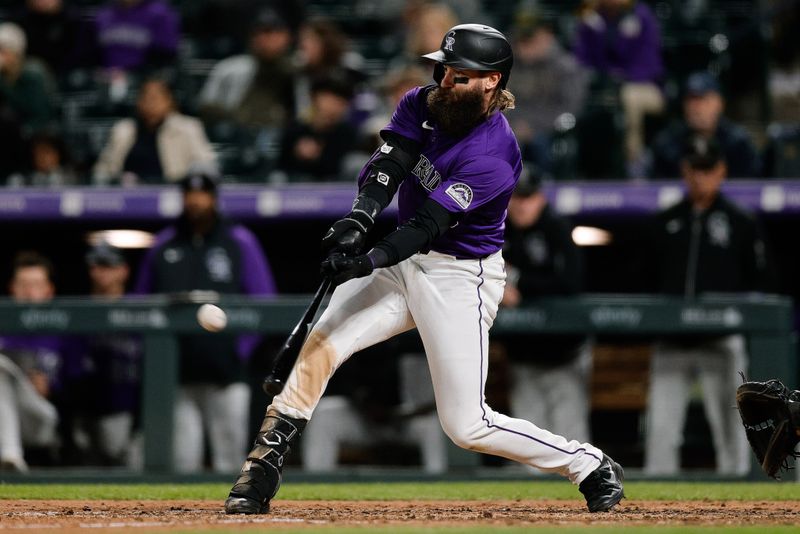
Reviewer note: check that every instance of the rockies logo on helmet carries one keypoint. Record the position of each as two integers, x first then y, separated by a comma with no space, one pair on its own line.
449,41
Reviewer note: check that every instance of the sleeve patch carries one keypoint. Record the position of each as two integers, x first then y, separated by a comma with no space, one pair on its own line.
461,193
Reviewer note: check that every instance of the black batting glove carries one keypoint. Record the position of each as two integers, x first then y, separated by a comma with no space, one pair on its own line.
347,235
340,268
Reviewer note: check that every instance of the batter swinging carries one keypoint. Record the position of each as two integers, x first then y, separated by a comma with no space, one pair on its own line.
453,160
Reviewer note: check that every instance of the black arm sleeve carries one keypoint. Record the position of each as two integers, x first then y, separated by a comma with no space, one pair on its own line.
430,221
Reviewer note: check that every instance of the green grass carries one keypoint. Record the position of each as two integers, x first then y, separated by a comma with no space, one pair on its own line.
686,491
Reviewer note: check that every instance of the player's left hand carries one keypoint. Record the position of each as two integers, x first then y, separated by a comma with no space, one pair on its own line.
341,268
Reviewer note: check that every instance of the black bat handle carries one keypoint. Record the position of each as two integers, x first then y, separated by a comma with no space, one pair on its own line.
287,355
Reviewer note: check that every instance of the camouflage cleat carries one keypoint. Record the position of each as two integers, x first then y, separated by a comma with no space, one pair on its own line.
603,487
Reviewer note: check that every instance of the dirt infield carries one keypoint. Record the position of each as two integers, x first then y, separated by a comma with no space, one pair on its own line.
72,516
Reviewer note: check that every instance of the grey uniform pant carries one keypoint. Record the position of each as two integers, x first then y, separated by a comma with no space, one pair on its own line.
222,411
674,369
26,418
556,398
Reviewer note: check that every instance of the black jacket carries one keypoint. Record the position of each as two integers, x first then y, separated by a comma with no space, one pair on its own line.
719,250
180,262
549,263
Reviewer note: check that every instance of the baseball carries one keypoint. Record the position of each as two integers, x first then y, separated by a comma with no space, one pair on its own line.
211,317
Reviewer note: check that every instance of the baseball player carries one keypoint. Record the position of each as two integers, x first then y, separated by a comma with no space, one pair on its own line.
703,244
202,250
453,160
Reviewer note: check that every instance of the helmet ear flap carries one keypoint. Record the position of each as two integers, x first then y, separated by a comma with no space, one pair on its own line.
438,73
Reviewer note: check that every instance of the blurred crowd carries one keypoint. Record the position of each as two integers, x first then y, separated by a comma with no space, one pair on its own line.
140,91
202,92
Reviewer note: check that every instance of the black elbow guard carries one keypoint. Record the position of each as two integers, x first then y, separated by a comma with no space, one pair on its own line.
388,168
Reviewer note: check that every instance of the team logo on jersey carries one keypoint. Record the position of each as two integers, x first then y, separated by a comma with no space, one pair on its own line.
382,178
449,41
172,255
674,226
461,193
536,249
429,177
719,229
219,265
385,148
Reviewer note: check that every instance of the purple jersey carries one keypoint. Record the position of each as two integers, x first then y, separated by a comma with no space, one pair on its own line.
473,176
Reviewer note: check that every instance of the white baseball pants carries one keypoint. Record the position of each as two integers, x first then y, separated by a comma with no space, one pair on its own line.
453,304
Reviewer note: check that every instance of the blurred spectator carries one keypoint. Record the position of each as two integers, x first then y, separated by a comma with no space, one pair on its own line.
217,24
133,39
703,244
549,85
49,164
12,157
549,373
24,85
56,35
159,144
425,23
254,89
202,251
323,50
137,35
314,149
784,71
621,41
106,399
30,370
703,108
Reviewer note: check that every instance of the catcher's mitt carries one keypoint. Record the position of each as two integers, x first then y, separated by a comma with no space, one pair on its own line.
770,413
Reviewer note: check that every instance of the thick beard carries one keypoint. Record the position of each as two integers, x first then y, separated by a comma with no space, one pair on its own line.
456,114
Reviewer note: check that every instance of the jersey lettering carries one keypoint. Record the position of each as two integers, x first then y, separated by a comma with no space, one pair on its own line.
429,177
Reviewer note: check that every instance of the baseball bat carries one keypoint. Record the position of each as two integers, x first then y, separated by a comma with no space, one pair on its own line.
288,353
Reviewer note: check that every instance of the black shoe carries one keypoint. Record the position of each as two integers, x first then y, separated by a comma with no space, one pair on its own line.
603,487
253,490
260,477
256,485
243,505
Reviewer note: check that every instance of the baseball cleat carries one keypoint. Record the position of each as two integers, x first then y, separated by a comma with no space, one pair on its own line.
254,489
260,476
243,505
603,487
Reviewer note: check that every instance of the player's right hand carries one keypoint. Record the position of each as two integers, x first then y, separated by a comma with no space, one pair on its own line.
347,236
340,268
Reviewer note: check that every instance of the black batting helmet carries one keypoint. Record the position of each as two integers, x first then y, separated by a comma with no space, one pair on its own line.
474,47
